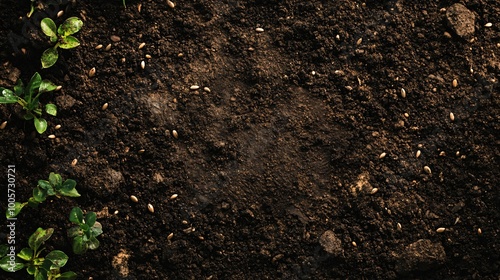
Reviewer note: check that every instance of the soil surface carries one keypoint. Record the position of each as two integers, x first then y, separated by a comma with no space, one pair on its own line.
326,140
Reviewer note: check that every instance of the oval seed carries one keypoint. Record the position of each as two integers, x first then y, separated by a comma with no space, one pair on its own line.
141,151
148,56
92,72
104,106
452,117
374,191
139,7
418,154
382,155
354,244
115,38
60,13
194,87
52,136
207,89
142,45
258,29
170,4
399,226
143,64
442,153
58,88
108,47
440,230
98,47
58,126
134,198
489,24
479,231
174,196
74,162
403,93
360,40
170,236
151,208
3,125
454,83
175,134
427,169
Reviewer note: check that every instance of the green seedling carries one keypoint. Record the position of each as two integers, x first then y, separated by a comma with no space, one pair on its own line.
29,98
124,5
54,186
32,9
42,268
60,37
85,233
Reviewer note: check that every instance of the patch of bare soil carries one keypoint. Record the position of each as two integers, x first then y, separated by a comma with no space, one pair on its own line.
323,139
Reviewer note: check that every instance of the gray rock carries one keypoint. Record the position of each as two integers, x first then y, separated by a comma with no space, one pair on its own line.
331,243
461,20
422,255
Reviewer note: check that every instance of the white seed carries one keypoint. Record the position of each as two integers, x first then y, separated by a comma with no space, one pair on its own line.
123,59
170,4
52,136
104,106
58,88
108,47
98,47
374,191
479,231
170,236
489,24
360,40
116,212
57,126
399,226
403,93
454,83
442,153
74,162
143,64
259,29
207,89
142,45
427,169
139,7
3,125
134,198
337,37
354,244
452,117
406,115
174,196
194,87
60,13
148,56
151,208
418,154
457,220
92,72
440,230
175,134
382,155
141,151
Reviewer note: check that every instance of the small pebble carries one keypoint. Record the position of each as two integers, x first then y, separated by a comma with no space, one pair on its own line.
194,87
92,72
3,125
104,106
170,4
427,169
134,198
142,45
382,155
150,208
452,117
115,38
440,230
74,162
258,29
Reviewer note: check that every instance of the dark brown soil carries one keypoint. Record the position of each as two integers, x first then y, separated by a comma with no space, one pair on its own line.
277,167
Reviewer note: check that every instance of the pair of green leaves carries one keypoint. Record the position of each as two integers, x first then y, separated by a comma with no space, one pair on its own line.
60,37
54,186
42,268
29,98
84,235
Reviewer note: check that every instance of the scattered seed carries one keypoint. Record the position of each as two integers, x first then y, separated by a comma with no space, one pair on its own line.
134,198
489,24
116,212
447,34
52,136
184,222
337,37
23,50
108,47
139,7
457,220
58,88
74,162
442,153
60,13
360,40
98,47
194,87
374,191
115,38
479,231
427,169
151,208
104,106
141,151
418,154
3,125
170,236
170,4
92,72
143,64
399,226
123,60
382,155
407,115
57,126
148,56
207,89
354,244
454,83
175,134
174,196
403,93
126,150
452,117
82,15
440,230
259,29
142,45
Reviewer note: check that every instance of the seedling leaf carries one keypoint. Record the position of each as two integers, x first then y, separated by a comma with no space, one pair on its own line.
49,57
58,259
76,216
79,247
41,235
46,86
69,43
70,26
11,213
26,254
6,265
8,96
49,28
51,109
32,86
68,275
40,125
90,219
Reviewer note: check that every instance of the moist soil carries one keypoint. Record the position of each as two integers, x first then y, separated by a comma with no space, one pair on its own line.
296,158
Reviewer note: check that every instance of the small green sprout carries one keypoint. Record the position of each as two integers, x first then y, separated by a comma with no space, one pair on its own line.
54,186
60,36
42,268
85,233
29,98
